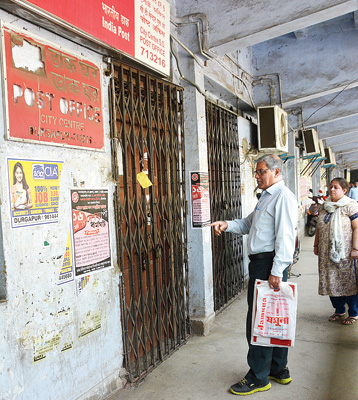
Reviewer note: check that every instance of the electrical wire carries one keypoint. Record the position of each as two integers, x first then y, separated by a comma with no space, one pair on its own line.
355,80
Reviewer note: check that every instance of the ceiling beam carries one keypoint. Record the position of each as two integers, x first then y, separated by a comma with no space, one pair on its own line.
338,141
327,121
258,34
346,151
301,33
319,94
336,135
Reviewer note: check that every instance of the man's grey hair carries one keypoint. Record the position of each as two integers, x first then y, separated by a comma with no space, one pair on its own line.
272,161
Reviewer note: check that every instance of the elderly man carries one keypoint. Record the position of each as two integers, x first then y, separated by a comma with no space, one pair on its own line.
271,229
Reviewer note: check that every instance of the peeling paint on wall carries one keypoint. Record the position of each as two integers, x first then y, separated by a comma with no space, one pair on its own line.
27,56
91,323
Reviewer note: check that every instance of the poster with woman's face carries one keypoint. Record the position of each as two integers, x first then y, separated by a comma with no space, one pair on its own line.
33,191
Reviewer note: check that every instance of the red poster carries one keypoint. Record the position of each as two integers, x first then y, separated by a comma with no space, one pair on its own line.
53,96
200,199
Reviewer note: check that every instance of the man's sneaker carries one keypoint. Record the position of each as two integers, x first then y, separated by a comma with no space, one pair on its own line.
243,388
282,377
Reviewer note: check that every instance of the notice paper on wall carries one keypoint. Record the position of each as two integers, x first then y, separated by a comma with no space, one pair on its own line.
200,199
92,251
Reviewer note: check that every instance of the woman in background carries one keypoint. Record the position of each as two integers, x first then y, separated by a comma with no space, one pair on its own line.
20,190
336,244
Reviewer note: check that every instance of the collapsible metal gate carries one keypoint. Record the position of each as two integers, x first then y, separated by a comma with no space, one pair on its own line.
225,195
147,137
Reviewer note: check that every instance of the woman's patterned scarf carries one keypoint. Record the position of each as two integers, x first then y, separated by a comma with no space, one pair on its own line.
336,238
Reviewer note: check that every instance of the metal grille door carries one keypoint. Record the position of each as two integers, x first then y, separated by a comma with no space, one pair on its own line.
225,194
151,222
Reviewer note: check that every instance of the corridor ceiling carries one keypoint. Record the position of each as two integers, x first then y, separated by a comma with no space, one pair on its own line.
310,46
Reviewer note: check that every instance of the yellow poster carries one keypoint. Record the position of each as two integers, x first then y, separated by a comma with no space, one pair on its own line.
33,191
66,274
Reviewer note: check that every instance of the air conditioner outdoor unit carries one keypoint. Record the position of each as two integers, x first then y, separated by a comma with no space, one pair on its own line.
330,157
311,141
272,129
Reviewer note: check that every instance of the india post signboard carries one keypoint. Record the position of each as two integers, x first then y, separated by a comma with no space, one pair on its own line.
139,28
53,97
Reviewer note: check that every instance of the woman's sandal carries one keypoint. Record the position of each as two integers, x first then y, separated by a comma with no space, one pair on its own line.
350,321
335,317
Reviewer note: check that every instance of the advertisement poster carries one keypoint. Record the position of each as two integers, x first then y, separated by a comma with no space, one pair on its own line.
91,249
200,199
33,191
58,94
50,342
81,283
67,273
139,28
91,323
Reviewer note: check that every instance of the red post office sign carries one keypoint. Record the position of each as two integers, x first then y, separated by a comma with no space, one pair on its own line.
53,97
138,28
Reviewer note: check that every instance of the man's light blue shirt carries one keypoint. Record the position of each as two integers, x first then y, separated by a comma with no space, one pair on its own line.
353,193
271,226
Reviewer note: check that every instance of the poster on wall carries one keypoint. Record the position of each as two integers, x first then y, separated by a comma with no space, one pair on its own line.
33,191
200,199
56,93
52,341
305,185
138,28
67,273
91,245
81,283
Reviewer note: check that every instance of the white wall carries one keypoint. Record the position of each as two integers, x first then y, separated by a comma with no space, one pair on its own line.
37,309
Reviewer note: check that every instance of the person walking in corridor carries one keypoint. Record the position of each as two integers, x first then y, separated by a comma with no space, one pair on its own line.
336,245
271,243
353,192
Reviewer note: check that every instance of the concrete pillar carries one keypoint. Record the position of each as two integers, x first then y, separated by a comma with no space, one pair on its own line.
316,180
290,166
201,301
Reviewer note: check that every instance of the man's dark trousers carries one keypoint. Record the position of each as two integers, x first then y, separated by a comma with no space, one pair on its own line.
263,361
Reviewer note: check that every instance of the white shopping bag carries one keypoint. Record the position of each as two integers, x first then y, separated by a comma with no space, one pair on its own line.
274,314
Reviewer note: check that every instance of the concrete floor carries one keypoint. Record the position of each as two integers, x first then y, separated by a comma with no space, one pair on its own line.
323,363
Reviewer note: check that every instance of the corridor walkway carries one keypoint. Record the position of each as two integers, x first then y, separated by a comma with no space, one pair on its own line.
323,363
